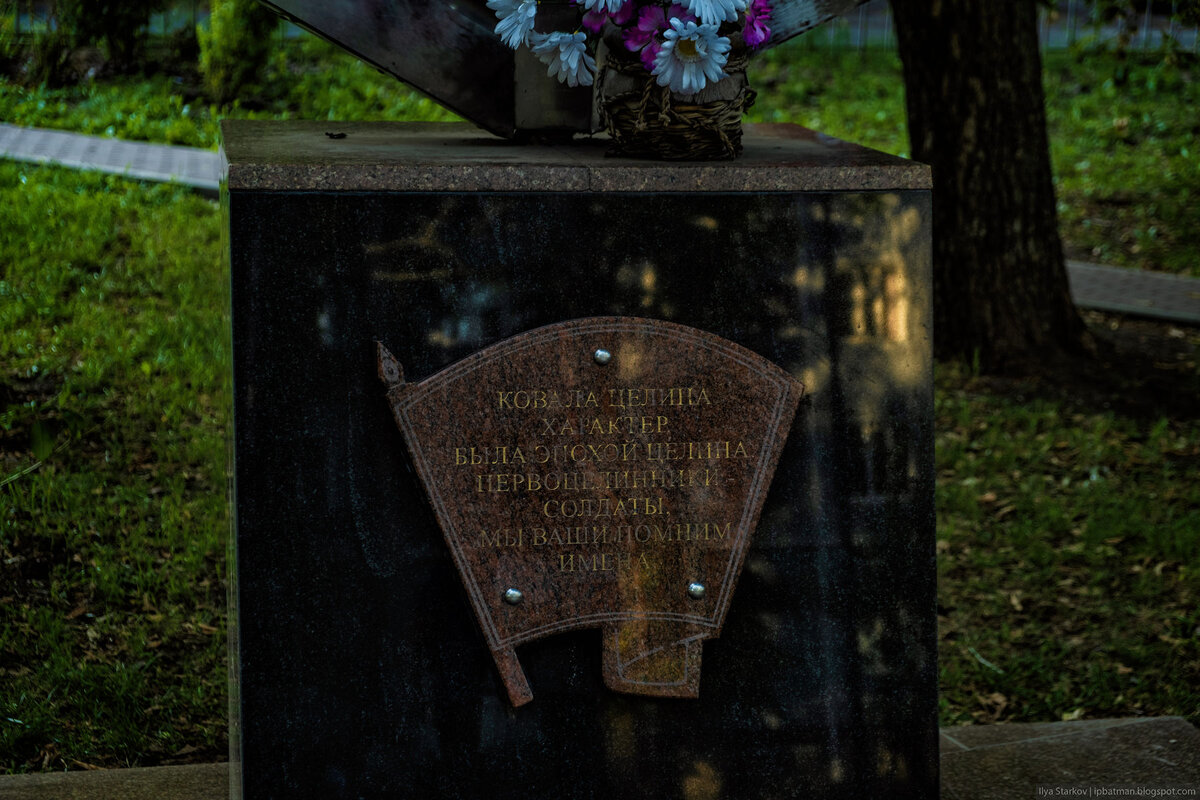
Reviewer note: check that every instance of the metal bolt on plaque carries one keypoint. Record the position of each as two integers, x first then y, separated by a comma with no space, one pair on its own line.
600,492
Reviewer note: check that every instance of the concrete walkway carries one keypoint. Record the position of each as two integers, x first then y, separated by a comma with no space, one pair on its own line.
1157,295
191,166
1126,291
979,762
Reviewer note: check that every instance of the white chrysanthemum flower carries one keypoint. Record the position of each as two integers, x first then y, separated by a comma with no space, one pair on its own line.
691,56
604,6
714,12
516,20
566,53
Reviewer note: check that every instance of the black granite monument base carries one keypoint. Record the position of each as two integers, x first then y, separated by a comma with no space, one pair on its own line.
358,668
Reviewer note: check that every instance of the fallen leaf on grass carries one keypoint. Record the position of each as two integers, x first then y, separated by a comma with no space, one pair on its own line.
992,706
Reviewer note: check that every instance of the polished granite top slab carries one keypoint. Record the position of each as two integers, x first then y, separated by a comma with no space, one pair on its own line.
306,155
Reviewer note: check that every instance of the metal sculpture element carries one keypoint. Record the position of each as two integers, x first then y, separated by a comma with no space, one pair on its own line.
449,51
445,49
790,18
601,473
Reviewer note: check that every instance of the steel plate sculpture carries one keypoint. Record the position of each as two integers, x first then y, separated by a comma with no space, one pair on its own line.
460,54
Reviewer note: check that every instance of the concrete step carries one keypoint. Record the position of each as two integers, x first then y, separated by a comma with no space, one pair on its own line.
979,762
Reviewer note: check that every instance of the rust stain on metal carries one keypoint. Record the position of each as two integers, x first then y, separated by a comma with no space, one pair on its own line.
585,489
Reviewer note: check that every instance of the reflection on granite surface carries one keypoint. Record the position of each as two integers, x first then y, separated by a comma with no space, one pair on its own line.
362,672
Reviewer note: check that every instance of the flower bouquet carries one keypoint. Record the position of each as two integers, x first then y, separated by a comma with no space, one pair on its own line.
669,78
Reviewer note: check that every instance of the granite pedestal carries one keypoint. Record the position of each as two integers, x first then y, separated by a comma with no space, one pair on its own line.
358,670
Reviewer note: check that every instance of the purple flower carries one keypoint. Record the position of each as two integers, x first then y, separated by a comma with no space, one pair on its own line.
756,31
594,20
644,38
624,14
651,21
649,53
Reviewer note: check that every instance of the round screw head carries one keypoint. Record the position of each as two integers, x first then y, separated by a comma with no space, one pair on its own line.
696,591
513,596
602,356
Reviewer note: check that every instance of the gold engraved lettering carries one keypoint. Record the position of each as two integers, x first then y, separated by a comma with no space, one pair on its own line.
601,507
604,562
694,451
594,562
488,456
605,465
577,481
524,399
628,397
599,426
673,396
501,537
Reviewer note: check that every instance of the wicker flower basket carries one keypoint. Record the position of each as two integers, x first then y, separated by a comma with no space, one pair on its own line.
646,120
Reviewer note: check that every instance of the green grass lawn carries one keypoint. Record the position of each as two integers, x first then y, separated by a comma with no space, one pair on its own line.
1068,559
113,362
1068,535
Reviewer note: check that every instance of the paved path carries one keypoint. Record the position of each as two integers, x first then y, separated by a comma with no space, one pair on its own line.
1157,295
192,166
1127,291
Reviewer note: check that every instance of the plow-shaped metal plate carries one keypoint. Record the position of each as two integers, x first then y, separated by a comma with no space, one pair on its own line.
600,473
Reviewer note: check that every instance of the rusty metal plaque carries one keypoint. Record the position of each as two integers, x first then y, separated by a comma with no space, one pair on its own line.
599,473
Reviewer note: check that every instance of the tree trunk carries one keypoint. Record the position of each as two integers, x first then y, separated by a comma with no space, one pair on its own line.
976,114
